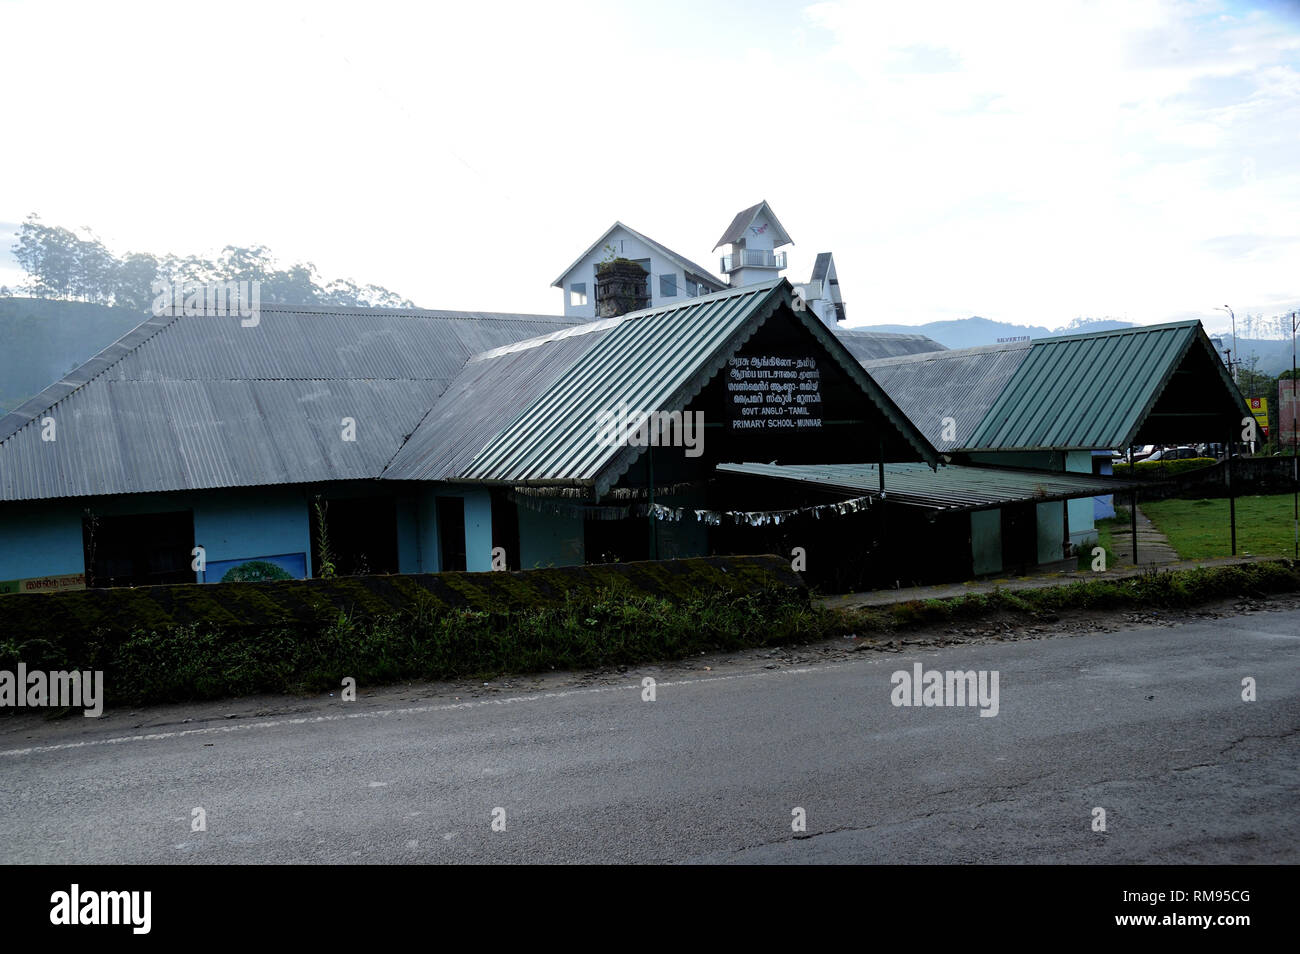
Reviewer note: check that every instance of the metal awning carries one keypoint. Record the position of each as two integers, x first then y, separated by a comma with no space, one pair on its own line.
951,489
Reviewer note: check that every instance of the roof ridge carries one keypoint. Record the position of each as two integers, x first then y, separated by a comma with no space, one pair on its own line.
441,313
949,353
23,414
1130,330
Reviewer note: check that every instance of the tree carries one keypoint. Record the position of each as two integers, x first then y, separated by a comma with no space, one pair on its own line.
131,285
59,264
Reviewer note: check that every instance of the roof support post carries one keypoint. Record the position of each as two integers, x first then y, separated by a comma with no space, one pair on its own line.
1065,529
1232,499
650,497
1133,505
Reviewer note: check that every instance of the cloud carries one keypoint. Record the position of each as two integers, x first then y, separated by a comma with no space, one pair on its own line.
1025,161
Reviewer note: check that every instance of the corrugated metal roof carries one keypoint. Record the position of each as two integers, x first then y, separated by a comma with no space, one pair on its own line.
540,402
962,384
1075,392
872,345
188,402
1096,390
950,488
483,400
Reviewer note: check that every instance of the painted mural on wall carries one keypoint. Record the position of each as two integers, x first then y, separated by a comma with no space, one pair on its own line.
773,393
283,566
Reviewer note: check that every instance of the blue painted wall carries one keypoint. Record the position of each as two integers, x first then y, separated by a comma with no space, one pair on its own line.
43,538
478,530
1082,529
1104,507
40,539
548,539
986,541
1051,532
409,551
246,523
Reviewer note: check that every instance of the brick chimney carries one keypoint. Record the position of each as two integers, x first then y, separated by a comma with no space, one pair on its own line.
621,286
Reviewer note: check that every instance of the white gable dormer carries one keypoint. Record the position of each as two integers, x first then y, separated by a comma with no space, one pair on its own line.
670,277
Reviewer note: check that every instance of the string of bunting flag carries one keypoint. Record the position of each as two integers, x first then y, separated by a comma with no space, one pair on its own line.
753,518
711,518
553,505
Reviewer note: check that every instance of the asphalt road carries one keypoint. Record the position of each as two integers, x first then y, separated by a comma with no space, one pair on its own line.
1148,724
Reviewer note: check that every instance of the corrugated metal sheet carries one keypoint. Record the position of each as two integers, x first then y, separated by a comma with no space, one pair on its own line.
535,408
482,401
185,403
950,488
1094,390
872,345
645,360
962,384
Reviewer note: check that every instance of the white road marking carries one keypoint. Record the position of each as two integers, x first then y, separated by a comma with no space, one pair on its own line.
409,710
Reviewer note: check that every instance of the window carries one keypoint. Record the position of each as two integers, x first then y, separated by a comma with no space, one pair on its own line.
362,535
668,285
578,293
144,549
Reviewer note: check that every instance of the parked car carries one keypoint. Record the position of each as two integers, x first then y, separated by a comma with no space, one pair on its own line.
1139,453
1174,453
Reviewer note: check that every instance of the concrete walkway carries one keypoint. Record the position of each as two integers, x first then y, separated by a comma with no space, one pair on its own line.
878,598
1153,546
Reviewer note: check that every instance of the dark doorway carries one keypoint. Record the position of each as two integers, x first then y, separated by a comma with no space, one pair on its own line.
1019,537
143,549
505,527
616,541
362,534
451,533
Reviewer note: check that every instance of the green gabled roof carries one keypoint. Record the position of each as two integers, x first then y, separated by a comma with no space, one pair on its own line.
1105,389
542,426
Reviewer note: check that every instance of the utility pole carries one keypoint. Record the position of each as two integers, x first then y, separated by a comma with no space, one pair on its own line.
1232,370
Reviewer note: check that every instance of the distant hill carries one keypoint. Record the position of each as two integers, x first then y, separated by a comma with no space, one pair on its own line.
1272,357
975,331
42,339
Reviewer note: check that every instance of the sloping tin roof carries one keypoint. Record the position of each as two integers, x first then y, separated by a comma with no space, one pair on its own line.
950,488
1074,392
821,265
1095,390
873,345
185,403
962,384
534,408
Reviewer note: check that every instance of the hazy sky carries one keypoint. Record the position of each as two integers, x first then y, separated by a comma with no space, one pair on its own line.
1029,162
